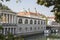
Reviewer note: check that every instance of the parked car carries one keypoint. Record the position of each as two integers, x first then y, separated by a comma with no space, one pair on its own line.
47,31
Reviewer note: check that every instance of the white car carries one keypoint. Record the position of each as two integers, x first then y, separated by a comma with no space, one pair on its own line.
47,31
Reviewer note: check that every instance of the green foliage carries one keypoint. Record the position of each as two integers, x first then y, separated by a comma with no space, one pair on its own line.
9,0
49,3
10,36
3,7
5,0
1,27
41,2
57,17
2,37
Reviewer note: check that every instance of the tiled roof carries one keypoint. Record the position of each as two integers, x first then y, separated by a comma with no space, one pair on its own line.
29,13
51,17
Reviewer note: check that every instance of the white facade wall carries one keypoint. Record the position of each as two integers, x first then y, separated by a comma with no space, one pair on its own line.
21,28
13,31
39,28
50,21
9,20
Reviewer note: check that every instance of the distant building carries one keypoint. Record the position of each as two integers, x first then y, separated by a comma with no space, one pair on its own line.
51,21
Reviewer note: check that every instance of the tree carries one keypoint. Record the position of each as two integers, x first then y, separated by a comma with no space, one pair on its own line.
3,7
2,36
5,0
9,36
9,0
56,8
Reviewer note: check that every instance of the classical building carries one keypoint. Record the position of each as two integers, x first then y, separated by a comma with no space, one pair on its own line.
31,14
51,21
21,23
8,21
30,23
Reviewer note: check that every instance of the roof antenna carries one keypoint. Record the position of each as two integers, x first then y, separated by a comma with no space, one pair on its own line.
28,9
35,10
18,1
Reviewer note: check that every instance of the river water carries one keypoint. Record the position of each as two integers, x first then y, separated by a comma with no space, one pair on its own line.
52,36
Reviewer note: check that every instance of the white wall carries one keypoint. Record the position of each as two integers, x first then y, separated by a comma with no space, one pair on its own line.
23,26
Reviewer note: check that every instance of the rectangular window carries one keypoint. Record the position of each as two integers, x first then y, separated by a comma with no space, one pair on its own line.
5,30
20,29
38,28
38,22
30,28
26,28
35,28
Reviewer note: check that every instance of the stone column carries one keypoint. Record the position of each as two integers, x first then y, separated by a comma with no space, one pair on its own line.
10,30
6,18
4,31
13,30
15,19
12,19
9,18
3,19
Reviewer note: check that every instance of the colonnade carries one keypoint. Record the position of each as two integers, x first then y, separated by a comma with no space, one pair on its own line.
10,30
8,18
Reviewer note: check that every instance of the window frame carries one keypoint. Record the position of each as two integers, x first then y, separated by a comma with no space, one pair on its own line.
31,21
38,21
35,22
26,21
20,21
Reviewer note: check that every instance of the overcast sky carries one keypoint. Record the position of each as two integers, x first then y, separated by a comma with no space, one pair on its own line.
17,7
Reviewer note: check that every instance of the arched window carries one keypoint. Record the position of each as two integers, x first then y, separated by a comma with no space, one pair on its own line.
31,21
41,22
20,21
26,21
30,28
34,21
38,21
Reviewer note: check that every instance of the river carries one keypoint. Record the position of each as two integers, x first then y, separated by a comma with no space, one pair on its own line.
52,36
